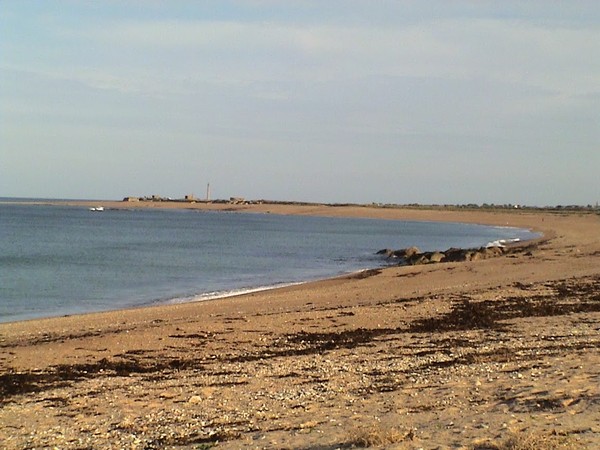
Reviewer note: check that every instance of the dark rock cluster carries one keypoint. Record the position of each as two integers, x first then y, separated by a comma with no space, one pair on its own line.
413,256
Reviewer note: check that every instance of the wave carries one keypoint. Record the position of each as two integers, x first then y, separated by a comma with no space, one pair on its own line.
215,295
229,293
502,242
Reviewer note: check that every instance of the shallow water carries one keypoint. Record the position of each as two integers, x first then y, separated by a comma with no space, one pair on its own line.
57,260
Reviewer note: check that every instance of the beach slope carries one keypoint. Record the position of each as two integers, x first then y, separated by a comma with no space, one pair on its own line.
453,355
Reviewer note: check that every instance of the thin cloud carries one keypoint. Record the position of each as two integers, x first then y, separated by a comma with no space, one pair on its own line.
387,90
506,51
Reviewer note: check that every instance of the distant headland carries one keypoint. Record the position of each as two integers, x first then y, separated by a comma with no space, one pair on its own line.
191,199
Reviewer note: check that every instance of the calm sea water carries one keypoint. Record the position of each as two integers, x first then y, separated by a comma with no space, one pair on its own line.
58,260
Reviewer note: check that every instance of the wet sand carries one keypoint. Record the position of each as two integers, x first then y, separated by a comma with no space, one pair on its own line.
455,355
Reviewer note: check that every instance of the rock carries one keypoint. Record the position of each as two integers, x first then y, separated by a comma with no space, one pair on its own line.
436,257
455,255
486,253
417,259
496,251
476,256
470,255
407,253
413,256
410,251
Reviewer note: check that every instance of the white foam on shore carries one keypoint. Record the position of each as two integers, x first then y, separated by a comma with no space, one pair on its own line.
216,295
229,293
502,242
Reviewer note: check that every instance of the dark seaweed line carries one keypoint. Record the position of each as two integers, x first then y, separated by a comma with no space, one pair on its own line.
464,315
15,383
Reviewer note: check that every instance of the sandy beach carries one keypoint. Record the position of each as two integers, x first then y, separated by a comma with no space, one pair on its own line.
467,355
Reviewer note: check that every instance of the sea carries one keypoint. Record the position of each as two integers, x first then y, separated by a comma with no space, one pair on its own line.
65,260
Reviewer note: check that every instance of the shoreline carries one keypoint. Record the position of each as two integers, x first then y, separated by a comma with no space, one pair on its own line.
449,355
321,210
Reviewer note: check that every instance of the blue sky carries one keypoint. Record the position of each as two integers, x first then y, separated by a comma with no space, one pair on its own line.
337,101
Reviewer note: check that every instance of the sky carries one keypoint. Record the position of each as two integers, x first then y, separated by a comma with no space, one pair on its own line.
339,101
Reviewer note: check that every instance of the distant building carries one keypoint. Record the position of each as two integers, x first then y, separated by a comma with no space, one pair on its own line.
131,199
236,200
190,198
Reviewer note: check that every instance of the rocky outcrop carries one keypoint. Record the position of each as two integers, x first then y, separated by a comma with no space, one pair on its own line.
407,252
404,253
413,256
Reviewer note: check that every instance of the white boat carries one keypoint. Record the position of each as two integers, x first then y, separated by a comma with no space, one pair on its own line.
97,208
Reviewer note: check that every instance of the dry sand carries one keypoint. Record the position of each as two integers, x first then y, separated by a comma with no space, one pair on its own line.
444,356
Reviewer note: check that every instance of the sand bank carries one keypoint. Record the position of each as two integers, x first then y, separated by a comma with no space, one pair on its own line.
443,356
